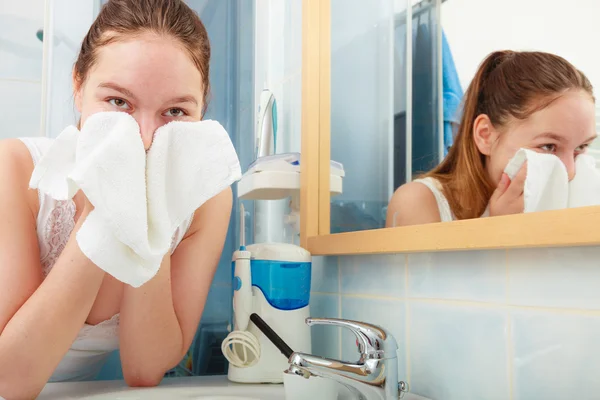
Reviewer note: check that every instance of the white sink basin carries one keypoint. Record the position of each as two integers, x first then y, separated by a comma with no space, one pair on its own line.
192,388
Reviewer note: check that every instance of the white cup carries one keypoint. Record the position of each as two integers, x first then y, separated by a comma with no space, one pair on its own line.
299,388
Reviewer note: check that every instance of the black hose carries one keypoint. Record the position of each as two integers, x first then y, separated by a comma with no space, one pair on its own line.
271,335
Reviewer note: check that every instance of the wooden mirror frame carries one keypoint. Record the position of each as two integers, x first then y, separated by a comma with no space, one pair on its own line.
561,228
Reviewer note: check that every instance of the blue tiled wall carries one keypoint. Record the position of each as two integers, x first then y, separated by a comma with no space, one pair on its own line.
518,324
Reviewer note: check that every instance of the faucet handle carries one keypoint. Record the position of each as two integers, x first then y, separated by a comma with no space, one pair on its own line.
373,341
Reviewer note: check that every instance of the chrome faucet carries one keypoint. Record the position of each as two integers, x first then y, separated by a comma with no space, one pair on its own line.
373,377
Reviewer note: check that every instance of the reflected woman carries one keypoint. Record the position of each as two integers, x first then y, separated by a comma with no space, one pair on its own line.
533,100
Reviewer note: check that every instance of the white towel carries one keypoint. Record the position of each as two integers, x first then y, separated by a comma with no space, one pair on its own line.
139,198
547,185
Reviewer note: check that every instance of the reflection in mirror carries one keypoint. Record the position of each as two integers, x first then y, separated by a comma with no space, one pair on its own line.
372,110
527,117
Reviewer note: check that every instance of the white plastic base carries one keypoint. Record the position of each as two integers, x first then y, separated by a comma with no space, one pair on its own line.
275,185
290,326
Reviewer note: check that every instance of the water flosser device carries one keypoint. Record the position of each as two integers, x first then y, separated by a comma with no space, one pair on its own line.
242,281
268,214
273,281
266,132
280,274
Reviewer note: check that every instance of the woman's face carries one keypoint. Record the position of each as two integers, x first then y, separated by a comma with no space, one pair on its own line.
149,77
565,128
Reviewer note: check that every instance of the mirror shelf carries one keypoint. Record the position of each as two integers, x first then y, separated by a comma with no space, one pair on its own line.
559,228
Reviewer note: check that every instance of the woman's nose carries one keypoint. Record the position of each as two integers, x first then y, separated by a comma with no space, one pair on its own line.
569,162
148,125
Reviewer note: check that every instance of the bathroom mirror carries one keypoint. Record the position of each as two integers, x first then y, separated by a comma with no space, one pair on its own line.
376,100
398,73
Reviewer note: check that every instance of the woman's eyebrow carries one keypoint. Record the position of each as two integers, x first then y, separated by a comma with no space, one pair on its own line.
184,99
120,89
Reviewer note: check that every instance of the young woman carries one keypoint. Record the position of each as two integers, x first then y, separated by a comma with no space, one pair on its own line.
532,100
60,315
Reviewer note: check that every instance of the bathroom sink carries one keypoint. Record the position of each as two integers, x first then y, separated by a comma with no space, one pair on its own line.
195,393
192,388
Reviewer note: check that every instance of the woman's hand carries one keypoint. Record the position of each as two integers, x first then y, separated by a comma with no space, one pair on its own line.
88,207
508,198
82,201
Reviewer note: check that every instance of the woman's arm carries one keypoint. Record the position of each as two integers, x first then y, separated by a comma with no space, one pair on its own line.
39,319
159,319
412,204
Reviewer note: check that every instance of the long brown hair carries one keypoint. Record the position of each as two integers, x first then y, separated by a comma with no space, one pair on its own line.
507,84
127,18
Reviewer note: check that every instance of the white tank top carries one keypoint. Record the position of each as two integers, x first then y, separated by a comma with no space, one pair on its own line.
55,221
446,214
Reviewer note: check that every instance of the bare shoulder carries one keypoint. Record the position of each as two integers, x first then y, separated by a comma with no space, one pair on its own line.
214,214
412,204
18,211
16,167
13,152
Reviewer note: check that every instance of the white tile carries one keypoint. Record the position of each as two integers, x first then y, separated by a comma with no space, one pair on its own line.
325,275
457,352
558,277
389,314
20,105
292,37
468,275
379,275
295,104
325,339
284,123
556,356
276,38
33,9
20,49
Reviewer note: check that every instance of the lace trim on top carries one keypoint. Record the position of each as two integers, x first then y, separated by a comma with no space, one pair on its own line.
57,231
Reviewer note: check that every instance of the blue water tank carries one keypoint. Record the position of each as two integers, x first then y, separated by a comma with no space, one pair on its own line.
282,272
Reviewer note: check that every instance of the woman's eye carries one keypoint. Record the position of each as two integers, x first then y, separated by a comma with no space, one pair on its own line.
119,103
582,148
175,112
550,148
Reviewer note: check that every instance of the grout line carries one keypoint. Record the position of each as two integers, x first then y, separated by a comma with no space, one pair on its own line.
339,305
340,329
339,288
509,342
407,328
510,353
406,276
511,307
506,277
479,304
323,293
560,311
